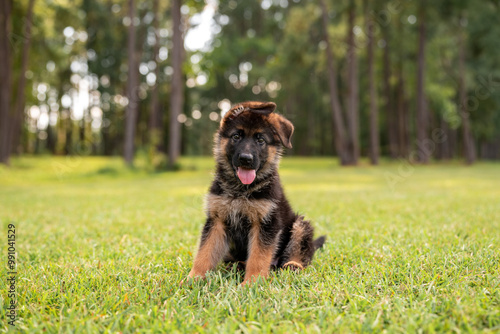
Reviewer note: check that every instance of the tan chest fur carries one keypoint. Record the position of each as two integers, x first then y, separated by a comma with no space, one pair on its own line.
223,207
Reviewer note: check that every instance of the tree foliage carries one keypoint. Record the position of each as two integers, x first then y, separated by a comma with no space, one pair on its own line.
77,74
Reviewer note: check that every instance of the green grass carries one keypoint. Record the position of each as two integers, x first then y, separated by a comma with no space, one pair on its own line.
103,249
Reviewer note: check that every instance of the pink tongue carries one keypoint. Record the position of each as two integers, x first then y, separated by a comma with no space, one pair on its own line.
246,175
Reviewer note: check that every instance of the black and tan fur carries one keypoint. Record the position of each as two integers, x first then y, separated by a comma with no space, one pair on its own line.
252,224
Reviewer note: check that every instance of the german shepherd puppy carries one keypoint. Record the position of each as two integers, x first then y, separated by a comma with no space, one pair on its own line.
249,219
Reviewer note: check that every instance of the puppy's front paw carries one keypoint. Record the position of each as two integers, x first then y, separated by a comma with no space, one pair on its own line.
248,281
251,279
192,276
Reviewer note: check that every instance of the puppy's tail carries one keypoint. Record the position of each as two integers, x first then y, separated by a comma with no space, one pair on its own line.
318,243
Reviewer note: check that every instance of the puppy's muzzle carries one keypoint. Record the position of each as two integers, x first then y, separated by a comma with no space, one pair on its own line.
246,159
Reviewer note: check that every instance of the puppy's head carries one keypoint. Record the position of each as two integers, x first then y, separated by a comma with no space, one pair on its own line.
250,137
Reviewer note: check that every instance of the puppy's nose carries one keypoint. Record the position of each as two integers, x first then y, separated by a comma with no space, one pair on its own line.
246,158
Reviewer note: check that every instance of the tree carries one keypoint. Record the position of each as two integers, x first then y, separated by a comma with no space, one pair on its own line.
469,151
177,87
338,120
390,113
20,101
5,82
155,117
352,87
481,28
374,136
132,86
402,119
422,114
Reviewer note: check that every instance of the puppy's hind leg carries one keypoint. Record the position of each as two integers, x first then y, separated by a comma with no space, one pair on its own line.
300,249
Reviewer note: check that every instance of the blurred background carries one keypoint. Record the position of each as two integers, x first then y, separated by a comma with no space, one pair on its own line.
417,80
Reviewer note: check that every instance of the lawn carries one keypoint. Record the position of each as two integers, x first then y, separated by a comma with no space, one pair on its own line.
104,249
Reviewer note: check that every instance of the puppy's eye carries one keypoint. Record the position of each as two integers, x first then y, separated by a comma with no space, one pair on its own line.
261,141
236,136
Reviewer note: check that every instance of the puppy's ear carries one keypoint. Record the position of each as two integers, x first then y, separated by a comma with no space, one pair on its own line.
283,128
262,108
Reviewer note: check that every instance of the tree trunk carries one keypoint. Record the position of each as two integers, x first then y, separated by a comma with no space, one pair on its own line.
392,136
68,143
452,140
469,151
338,121
422,114
155,118
353,88
20,97
177,90
5,81
140,137
401,113
311,134
374,138
131,111
490,150
51,140
444,147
